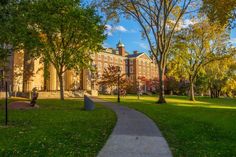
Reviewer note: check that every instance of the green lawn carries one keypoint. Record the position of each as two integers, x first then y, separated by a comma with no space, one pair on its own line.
205,128
57,128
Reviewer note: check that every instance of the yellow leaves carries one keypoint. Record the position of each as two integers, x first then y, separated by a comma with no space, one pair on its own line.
176,11
220,11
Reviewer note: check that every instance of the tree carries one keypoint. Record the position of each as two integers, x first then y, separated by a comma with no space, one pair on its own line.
125,85
172,85
196,47
66,34
218,74
6,30
109,77
158,20
222,11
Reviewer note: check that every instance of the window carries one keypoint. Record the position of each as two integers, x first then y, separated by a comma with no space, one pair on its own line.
99,74
131,69
111,59
105,58
99,65
131,61
105,65
117,61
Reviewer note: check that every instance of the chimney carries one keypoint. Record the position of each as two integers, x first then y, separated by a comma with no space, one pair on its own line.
135,52
121,48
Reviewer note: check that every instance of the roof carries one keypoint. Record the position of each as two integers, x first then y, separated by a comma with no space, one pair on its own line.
134,55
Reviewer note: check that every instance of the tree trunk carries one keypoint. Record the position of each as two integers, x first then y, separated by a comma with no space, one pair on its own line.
192,97
61,81
161,87
219,93
211,91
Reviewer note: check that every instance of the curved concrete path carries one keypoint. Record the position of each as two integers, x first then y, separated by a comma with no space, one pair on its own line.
135,135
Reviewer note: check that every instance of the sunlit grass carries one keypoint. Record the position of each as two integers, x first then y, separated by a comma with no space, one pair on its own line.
57,128
204,128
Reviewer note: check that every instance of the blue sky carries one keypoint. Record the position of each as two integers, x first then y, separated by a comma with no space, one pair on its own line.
128,32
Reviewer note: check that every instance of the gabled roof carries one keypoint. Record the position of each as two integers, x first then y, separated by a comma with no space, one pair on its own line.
145,55
134,55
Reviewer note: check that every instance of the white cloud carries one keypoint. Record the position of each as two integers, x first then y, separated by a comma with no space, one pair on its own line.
188,22
185,23
233,40
106,45
110,29
120,28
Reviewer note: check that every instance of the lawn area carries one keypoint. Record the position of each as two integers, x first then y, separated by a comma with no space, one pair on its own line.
205,128
57,128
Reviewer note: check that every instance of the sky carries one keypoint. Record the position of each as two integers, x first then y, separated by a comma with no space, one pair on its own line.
128,32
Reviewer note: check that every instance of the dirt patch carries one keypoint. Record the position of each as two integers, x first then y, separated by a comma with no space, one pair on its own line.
22,105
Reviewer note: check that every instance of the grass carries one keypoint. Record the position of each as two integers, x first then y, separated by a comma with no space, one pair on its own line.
205,128
57,128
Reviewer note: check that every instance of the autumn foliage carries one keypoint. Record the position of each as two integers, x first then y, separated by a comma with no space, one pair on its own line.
109,79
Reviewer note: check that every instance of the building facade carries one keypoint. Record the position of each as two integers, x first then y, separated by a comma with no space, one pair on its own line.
26,73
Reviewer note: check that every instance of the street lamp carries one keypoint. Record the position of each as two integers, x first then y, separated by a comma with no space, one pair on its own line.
119,72
138,90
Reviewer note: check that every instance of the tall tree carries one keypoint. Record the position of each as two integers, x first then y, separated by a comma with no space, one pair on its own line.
218,74
67,34
158,20
222,11
6,41
197,46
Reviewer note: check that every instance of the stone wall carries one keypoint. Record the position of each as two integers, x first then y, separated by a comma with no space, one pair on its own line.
50,95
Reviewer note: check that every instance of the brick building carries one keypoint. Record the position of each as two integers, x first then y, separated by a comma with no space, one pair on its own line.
26,73
134,65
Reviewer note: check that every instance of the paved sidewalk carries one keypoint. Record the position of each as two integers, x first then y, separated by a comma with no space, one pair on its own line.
135,135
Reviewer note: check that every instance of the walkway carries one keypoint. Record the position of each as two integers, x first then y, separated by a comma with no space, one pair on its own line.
135,135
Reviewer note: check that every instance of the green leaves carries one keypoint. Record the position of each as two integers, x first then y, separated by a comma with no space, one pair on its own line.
222,11
198,48
69,33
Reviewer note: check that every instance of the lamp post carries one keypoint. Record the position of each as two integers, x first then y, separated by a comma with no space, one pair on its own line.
118,89
138,90
6,106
